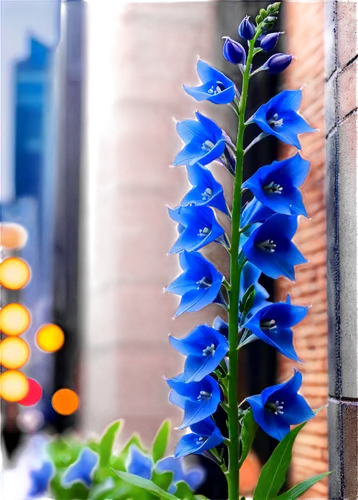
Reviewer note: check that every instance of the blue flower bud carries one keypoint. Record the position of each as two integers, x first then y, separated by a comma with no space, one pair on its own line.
268,42
234,52
246,29
277,63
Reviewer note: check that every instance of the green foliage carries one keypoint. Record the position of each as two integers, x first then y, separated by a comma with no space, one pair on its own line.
145,484
301,488
248,432
248,300
106,443
161,441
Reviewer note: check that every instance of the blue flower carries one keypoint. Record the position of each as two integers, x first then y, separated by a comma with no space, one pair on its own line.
199,400
221,326
40,479
270,247
250,275
246,29
206,191
204,141
138,463
279,406
279,117
216,88
199,285
82,469
204,348
197,227
277,63
234,52
204,436
253,212
276,185
268,42
192,476
272,324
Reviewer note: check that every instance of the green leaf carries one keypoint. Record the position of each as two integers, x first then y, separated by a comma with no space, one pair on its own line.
301,488
163,480
248,432
200,497
160,441
273,473
248,299
184,492
146,485
263,14
106,443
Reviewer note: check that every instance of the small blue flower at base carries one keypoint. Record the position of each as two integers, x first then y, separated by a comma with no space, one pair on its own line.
199,400
81,471
204,436
138,463
276,185
234,52
272,324
277,63
206,190
279,406
193,476
268,42
204,347
199,285
204,141
246,29
216,88
253,212
40,479
250,275
270,247
197,227
279,117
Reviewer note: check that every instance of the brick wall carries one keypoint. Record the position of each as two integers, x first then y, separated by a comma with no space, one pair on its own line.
304,27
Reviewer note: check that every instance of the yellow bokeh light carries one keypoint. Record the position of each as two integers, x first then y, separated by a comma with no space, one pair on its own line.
50,338
14,352
12,236
65,401
14,273
13,386
14,319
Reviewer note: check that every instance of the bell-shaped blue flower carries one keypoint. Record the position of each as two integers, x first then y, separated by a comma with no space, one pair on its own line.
81,471
246,29
279,117
250,275
193,476
216,87
204,141
138,463
276,185
199,284
206,190
277,63
270,247
197,227
234,52
204,436
253,212
268,42
279,406
40,479
221,326
199,400
204,347
272,324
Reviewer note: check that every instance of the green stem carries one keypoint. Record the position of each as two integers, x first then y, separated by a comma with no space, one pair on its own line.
235,271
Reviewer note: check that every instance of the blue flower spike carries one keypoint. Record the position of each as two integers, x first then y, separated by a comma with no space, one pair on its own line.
277,63
279,117
204,436
206,190
276,185
81,471
197,227
268,42
204,347
250,276
216,87
199,284
138,463
272,324
40,479
246,29
234,52
254,212
199,400
280,406
270,247
193,476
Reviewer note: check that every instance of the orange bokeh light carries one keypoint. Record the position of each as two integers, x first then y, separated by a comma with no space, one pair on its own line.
50,338
13,386
14,352
65,401
14,273
12,236
14,319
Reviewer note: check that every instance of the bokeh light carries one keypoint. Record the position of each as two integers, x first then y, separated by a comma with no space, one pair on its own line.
14,273
34,395
65,401
13,236
50,338
14,386
14,319
14,352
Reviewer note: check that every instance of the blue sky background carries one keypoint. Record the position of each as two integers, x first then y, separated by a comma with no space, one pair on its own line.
20,19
